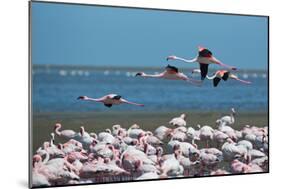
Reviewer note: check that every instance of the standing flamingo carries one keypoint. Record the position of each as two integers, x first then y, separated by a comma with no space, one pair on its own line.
171,166
204,58
109,100
206,134
179,121
228,119
222,75
171,73
39,175
162,132
67,134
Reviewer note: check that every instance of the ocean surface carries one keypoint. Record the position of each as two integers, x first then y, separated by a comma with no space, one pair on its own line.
56,88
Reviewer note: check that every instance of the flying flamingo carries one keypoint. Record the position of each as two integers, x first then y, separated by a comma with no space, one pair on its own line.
222,75
170,73
204,58
109,100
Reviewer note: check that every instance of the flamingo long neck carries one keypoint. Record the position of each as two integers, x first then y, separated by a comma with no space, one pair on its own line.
52,140
187,61
46,159
211,77
152,76
57,130
108,131
232,116
95,99
82,131
94,135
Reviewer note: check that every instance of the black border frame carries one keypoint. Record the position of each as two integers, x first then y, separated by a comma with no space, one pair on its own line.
30,122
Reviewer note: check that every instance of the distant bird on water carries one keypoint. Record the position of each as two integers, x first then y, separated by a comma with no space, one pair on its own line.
222,75
204,58
171,73
109,100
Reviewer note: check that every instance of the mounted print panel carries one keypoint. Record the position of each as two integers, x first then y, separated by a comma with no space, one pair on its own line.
124,94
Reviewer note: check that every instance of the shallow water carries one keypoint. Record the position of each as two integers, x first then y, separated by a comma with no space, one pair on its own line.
55,89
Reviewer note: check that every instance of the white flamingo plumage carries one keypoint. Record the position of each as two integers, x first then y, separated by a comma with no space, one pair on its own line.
172,167
170,73
179,121
162,132
109,100
134,153
206,134
67,134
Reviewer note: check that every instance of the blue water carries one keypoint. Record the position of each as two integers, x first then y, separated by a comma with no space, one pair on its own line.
55,89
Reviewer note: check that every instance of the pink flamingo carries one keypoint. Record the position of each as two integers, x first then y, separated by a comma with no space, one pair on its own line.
238,166
67,134
109,100
39,177
222,75
171,166
158,156
206,134
208,161
204,58
179,121
170,73
151,139
162,132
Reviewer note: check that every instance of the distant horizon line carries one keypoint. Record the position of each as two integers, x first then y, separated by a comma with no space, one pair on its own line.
129,67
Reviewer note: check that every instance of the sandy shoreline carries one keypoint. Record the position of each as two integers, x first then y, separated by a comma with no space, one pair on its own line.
43,123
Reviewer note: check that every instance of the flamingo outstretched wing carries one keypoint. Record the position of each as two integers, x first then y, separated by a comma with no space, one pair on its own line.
132,103
216,81
243,81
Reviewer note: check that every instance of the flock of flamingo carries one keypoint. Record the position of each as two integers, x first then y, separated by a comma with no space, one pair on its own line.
204,58
121,154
